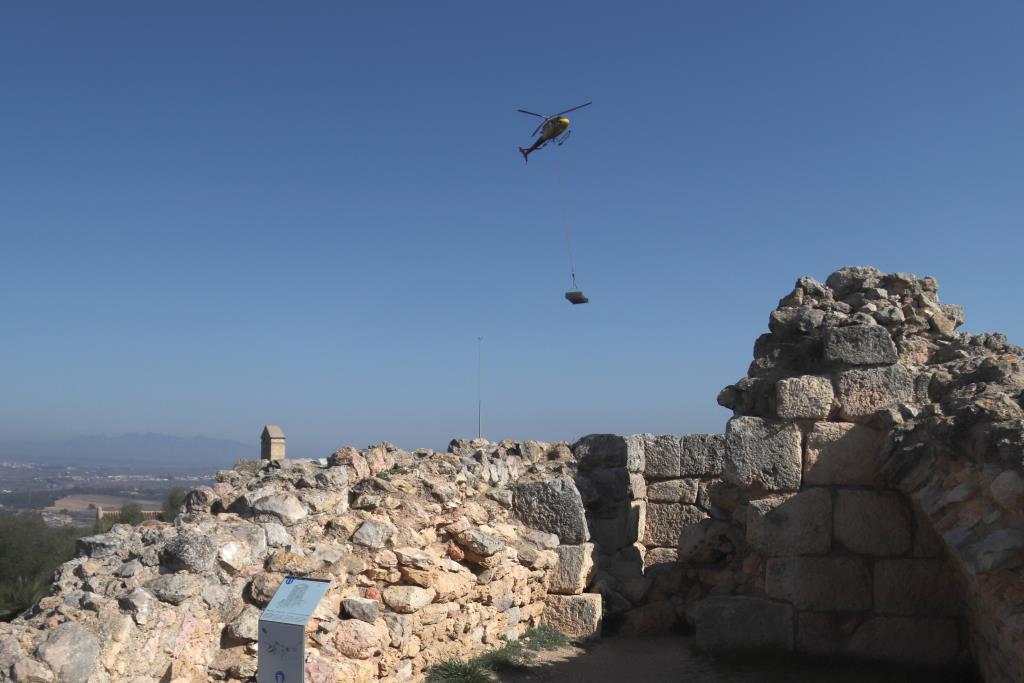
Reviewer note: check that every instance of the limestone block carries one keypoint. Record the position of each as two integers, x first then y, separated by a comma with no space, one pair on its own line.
916,588
872,523
627,564
637,486
374,534
611,483
362,609
661,456
610,450
859,345
666,521
701,455
552,505
737,624
800,524
408,599
819,583
824,633
577,616
71,651
902,639
609,533
708,541
806,397
574,570
656,559
278,507
673,491
356,639
761,454
657,617
841,453
862,392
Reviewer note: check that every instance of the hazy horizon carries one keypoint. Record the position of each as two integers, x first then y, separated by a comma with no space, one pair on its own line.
219,216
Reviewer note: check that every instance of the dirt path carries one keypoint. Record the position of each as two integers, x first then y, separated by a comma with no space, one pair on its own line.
673,658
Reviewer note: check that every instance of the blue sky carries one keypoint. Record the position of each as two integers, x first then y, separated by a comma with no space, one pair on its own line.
218,215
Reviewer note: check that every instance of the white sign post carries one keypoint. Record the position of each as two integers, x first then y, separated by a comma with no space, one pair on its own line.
282,643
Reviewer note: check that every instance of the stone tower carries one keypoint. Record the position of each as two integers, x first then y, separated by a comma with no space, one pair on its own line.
272,443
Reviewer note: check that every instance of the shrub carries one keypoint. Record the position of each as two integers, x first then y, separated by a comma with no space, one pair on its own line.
173,503
457,671
544,638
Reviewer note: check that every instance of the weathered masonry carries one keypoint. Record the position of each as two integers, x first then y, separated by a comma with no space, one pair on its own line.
866,499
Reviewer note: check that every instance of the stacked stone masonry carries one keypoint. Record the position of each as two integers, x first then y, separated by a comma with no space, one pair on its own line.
864,501
428,555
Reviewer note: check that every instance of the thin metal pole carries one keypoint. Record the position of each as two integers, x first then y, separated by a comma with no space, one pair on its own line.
479,388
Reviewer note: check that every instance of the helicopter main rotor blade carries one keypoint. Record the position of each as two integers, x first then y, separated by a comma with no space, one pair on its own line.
573,109
540,125
531,113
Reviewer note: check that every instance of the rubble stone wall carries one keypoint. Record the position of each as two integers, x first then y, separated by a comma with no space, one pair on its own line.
428,556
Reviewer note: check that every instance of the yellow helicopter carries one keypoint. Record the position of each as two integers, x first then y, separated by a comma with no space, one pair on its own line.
550,129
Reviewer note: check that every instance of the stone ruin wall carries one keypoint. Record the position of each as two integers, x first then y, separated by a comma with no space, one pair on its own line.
865,500
427,555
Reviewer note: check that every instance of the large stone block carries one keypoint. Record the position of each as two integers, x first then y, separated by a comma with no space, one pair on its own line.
820,583
657,617
863,392
917,588
872,523
574,571
737,624
661,456
824,633
902,639
800,524
702,455
806,397
708,541
674,491
859,345
762,455
657,559
666,521
554,506
610,450
577,616
841,453
609,533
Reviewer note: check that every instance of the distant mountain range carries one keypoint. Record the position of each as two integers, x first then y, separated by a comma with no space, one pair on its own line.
147,450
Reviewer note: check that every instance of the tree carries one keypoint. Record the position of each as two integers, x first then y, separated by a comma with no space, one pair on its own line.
131,513
173,503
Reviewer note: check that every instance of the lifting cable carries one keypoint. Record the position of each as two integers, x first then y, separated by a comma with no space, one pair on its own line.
565,220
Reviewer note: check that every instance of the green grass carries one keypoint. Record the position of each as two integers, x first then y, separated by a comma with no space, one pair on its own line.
512,655
505,658
457,671
544,638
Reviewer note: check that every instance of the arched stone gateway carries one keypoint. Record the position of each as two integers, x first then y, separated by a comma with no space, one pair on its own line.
865,499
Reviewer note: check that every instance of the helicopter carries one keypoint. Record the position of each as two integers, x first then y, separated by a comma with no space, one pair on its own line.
550,129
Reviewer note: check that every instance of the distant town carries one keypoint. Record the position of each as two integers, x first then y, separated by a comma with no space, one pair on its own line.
69,495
